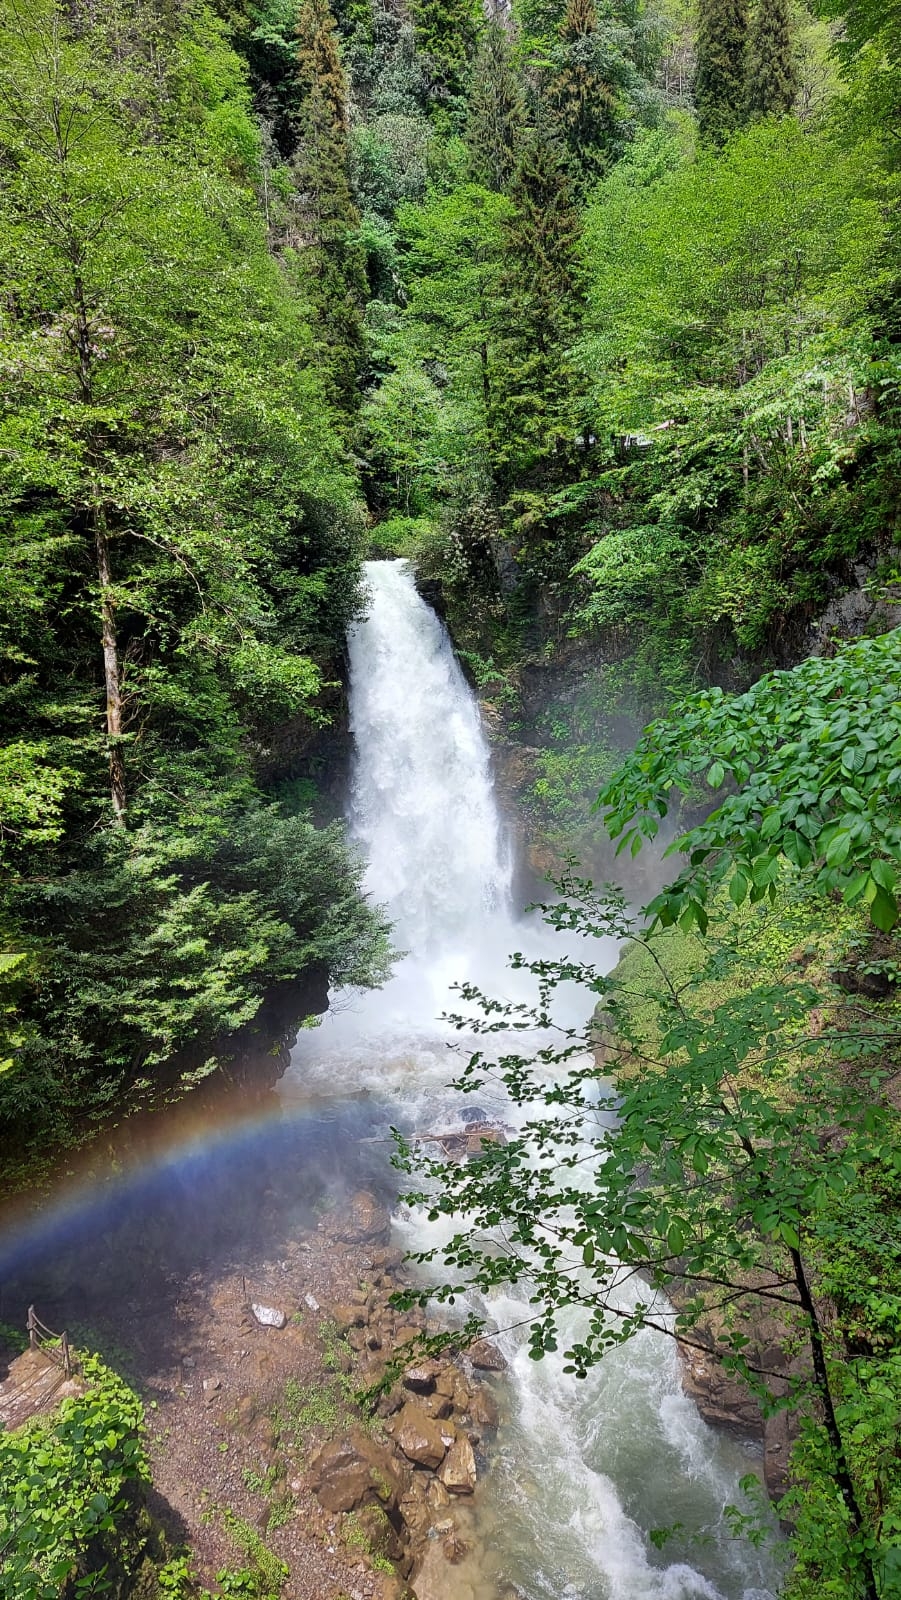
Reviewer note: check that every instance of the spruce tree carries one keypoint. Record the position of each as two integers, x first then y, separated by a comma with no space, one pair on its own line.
536,319
719,85
446,32
496,111
329,217
583,97
772,82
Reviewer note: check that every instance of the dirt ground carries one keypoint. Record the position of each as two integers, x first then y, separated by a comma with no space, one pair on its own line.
214,1420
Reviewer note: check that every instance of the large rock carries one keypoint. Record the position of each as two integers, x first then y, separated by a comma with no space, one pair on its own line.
363,1219
438,1406
458,1469
486,1356
483,1408
430,1580
446,1379
421,1378
355,1471
723,1401
346,1316
419,1436
268,1316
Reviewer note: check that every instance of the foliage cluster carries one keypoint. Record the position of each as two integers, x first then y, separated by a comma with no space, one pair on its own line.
729,1138
68,1486
668,425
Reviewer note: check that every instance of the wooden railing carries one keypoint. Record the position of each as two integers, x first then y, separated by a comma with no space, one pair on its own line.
55,1346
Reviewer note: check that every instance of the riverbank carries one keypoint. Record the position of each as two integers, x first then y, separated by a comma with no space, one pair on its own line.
261,1448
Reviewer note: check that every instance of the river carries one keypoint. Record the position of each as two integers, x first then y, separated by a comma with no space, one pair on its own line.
582,1471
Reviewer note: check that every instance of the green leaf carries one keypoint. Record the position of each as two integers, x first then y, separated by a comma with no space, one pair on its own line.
838,849
738,888
884,875
884,911
675,1239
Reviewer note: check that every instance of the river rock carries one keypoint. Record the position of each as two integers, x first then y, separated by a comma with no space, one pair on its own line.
346,1316
483,1408
446,1379
458,1470
437,1497
439,1406
355,1471
421,1378
384,1539
362,1219
480,1137
431,1577
418,1436
269,1316
486,1357
390,1402
462,1396
723,1401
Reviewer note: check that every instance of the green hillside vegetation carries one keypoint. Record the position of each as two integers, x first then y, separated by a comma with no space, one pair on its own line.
181,535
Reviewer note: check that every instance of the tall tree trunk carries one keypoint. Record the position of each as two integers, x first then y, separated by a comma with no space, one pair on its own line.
111,672
842,1465
81,339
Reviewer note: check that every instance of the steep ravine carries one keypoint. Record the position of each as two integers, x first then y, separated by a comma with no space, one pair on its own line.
282,1199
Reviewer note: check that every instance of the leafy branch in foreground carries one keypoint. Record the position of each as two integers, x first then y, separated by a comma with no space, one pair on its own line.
708,1145
814,756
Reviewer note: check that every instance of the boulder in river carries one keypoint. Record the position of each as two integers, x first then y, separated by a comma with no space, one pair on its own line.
483,1407
486,1356
458,1469
362,1219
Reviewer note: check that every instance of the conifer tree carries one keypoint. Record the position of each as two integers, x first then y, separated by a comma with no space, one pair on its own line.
496,111
772,82
537,318
582,94
719,85
329,216
446,32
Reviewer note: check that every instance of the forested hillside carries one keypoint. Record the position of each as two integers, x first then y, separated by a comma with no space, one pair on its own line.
283,284
632,363
181,541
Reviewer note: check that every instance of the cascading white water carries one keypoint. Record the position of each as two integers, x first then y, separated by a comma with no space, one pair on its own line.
581,1471
422,807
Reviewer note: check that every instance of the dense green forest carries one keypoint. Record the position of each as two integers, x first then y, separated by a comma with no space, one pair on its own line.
282,285
589,308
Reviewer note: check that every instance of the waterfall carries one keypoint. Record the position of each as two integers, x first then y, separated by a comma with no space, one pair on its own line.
422,807
581,1471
